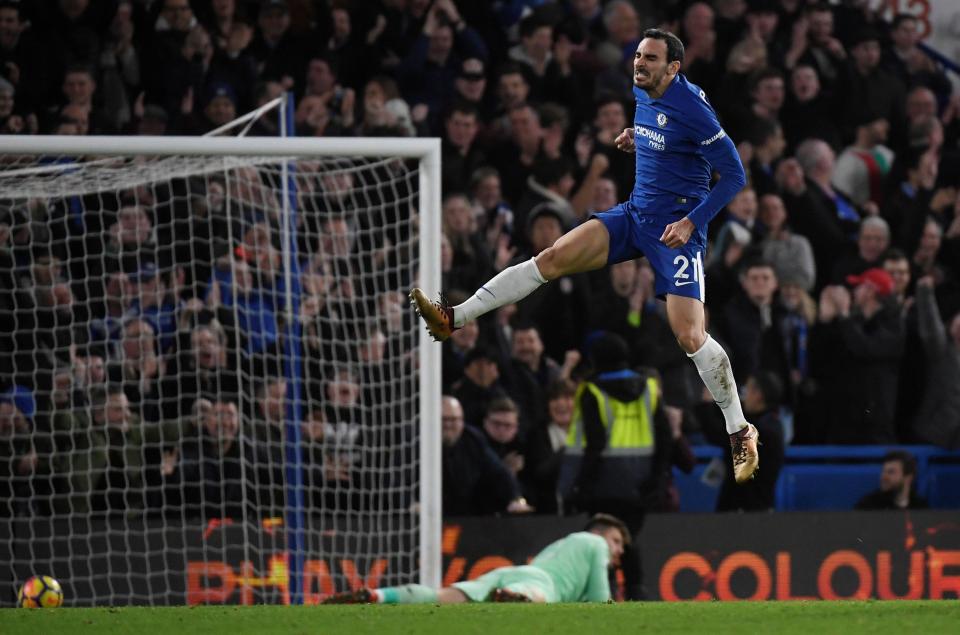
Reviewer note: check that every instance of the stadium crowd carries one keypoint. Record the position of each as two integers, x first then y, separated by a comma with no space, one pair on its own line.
832,278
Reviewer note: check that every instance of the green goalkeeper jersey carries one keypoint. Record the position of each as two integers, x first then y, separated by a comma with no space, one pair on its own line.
578,566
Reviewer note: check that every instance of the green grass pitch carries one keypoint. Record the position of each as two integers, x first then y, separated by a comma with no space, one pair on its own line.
807,618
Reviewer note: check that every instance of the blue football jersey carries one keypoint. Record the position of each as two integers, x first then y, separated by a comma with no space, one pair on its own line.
679,141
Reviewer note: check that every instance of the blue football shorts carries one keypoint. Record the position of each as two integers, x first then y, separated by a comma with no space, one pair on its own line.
632,234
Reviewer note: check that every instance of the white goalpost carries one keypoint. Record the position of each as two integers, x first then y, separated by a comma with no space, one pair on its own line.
211,386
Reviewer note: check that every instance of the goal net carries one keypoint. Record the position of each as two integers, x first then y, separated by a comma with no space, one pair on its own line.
211,387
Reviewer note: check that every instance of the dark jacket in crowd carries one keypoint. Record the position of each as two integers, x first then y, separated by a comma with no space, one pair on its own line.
754,342
475,482
216,485
938,418
541,470
879,499
856,363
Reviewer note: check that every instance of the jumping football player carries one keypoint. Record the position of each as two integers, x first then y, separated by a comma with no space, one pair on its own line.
572,569
678,141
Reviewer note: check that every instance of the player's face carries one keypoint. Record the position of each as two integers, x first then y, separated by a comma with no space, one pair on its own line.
650,68
615,541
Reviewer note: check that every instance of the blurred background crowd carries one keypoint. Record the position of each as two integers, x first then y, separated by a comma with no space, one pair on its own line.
832,277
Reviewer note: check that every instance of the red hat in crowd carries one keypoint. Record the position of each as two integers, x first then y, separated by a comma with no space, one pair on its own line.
878,277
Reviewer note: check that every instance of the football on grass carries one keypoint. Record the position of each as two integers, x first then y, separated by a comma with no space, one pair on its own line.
40,591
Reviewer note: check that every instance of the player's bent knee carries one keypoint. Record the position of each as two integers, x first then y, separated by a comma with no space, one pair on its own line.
549,263
691,339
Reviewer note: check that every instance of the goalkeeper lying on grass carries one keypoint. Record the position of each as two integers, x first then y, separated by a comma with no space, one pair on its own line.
572,569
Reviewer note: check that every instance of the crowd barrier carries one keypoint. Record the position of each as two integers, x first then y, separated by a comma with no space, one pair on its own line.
760,556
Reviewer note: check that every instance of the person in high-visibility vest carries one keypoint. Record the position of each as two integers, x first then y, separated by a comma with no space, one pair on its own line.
611,464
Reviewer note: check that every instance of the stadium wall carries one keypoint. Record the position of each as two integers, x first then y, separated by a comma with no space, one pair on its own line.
788,556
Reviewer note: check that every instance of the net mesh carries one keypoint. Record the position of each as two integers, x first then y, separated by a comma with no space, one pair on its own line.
152,327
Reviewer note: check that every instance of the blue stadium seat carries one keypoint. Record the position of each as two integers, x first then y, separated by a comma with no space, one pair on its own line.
943,485
695,495
832,477
829,486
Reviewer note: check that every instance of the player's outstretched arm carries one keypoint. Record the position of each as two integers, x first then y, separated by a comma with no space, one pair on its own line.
625,141
723,157
598,584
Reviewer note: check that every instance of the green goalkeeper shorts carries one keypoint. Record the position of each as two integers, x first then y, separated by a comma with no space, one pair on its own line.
529,581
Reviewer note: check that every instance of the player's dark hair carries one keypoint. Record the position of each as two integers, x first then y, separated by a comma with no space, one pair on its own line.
674,45
907,460
606,521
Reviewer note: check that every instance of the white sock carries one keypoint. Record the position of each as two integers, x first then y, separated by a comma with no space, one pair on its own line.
510,285
715,371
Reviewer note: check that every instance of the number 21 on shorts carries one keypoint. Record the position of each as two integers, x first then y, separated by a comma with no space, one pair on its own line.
682,278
